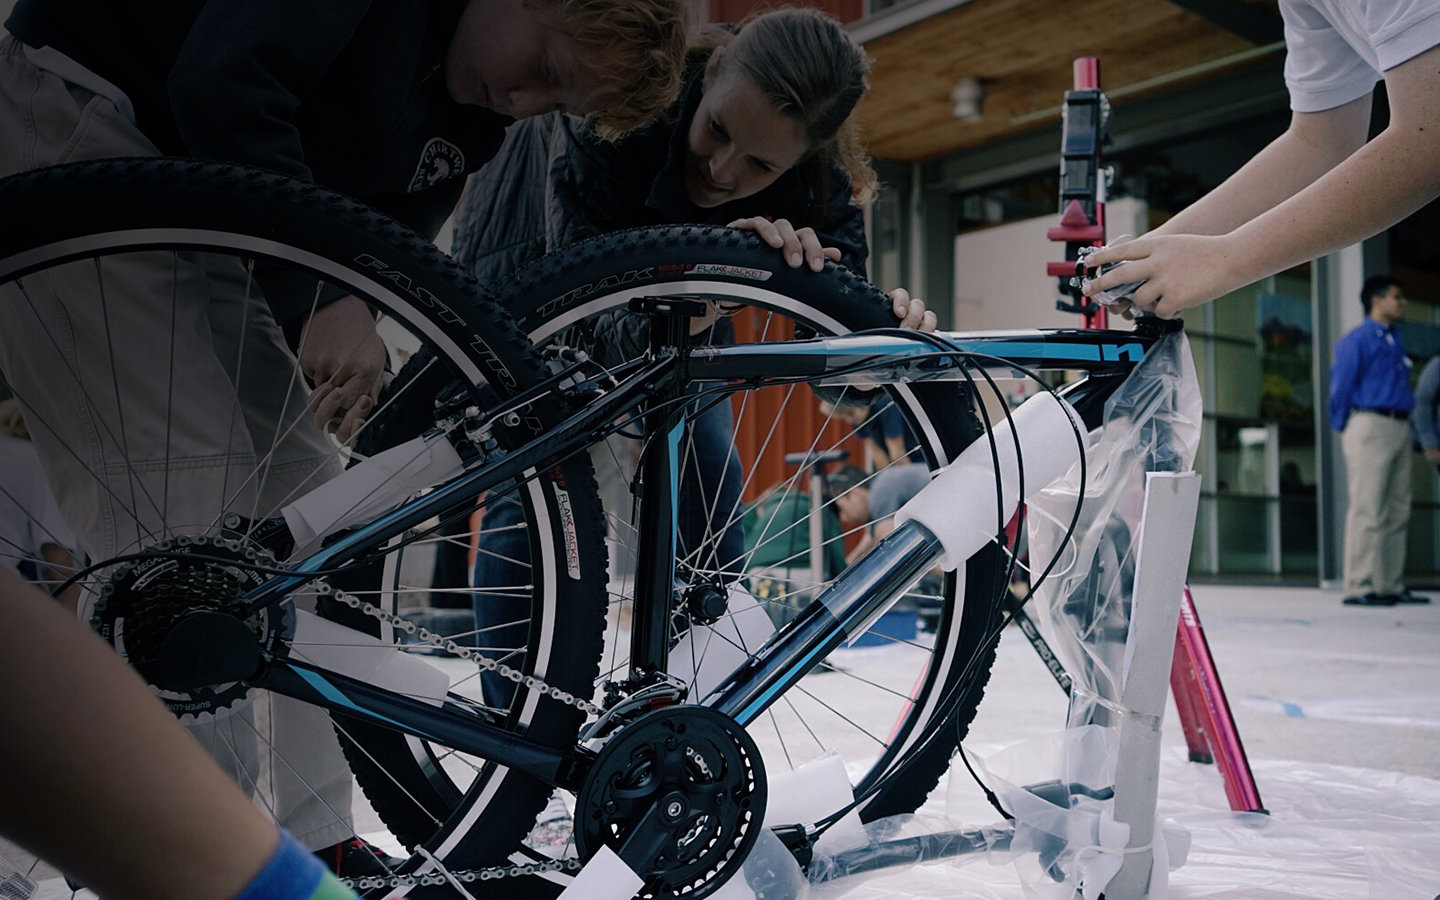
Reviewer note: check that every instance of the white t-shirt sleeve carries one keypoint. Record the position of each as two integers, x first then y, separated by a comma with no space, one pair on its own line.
1408,30
1336,50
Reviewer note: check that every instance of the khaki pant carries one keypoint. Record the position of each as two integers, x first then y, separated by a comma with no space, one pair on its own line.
149,403
1377,467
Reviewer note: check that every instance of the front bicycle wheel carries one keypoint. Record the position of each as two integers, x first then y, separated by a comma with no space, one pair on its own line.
750,521
170,414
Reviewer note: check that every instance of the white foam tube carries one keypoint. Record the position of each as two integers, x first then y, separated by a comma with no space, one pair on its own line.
331,646
376,485
959,505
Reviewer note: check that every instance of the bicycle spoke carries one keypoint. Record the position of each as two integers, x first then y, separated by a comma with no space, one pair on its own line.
200,433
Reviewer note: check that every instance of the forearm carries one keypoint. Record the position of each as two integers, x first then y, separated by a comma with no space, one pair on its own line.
1291,163
1375,187
1224,244
1320,187
90,739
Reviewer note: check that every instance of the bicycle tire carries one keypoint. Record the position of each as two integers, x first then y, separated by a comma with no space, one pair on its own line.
106,213
553,297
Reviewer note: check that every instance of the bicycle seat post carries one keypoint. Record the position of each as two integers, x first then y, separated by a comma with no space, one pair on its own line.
673,314
657,485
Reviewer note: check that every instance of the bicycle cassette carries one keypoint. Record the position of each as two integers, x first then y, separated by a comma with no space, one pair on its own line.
169,615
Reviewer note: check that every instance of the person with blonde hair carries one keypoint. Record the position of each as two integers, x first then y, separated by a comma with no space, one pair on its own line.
393,103
762,138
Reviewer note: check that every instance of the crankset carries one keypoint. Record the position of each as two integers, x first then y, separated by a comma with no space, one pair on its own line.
679,795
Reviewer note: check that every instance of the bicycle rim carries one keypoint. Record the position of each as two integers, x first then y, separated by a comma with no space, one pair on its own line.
130,488
875,704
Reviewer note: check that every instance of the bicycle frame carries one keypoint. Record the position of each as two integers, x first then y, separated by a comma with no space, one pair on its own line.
841,612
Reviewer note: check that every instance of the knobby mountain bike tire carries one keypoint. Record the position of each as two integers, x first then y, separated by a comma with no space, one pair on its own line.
210,237
922,707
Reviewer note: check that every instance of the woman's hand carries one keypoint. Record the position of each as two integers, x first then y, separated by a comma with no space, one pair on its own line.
799,246
344,358
911,311
802,247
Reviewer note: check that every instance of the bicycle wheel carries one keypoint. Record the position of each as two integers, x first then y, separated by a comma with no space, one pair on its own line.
875,705
204,240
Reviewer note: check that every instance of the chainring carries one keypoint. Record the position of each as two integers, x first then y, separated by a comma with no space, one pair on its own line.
680,794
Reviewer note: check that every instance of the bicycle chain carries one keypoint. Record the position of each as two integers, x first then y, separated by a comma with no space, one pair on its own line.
485,663
324,588
465,876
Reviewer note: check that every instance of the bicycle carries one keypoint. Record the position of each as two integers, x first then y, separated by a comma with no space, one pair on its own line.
458,770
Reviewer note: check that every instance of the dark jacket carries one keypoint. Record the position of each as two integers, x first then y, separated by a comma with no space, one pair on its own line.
551,185
347,93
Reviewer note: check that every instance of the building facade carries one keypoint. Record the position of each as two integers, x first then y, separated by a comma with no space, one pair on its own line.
1196,89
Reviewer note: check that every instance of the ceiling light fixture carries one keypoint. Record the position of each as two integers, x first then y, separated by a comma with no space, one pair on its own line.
967,100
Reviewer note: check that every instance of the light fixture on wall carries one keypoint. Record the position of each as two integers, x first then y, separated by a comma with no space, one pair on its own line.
967,100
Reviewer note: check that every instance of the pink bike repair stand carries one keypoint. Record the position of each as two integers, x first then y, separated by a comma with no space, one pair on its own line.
1210,732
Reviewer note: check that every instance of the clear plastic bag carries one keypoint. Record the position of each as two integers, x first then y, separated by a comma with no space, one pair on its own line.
1064,838
1151,424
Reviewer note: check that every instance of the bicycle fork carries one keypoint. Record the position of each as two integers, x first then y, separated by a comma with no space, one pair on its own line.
992,475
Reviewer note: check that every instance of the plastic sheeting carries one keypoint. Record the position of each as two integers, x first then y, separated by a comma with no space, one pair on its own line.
1061,841
1083,607
1333,833
1059,791
1152,424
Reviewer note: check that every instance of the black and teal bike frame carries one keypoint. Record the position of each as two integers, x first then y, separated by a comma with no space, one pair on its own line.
659,390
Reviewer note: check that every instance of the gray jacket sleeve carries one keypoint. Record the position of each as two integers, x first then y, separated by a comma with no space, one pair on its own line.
501,222
1426,392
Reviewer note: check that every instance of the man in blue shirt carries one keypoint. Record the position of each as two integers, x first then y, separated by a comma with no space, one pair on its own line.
1370,405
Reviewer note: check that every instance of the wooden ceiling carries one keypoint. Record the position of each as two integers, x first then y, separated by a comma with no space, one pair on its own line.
1023,50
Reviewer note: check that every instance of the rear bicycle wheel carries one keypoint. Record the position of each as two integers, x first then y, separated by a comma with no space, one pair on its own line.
171,417
907,694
